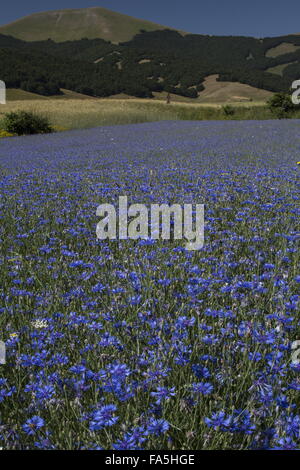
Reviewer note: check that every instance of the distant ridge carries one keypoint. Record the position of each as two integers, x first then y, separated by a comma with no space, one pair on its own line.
74,24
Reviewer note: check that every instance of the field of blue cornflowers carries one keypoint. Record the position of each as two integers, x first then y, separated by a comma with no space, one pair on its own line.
143,344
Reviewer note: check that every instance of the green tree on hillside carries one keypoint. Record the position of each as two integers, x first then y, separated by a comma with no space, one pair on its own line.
281,105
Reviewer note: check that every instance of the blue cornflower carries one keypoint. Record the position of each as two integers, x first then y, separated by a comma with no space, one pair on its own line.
76,264
68,253
163,393
157,426
98,287
118,371
269,266
286,443
128,442
5,391
78,369
33,424
202,387
183,322
45,392
135,300
103,417
218,420
200,371
255,356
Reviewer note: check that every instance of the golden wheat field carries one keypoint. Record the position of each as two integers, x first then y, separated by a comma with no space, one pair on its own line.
82,113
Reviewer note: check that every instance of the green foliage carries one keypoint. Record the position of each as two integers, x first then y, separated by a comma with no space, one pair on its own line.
24,122
228,110
47,88
281,105
174,63
4,133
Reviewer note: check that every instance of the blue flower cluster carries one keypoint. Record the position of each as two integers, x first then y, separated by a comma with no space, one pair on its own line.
141,344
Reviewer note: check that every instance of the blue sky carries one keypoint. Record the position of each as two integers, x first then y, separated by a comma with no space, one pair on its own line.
257,18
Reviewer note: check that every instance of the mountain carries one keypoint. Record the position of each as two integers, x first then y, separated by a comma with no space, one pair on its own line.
74,24
149,62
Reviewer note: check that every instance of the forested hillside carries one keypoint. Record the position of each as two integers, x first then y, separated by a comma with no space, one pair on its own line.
152,61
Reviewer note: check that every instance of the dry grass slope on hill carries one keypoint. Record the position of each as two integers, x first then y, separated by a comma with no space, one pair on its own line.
281,49
222,92
279,69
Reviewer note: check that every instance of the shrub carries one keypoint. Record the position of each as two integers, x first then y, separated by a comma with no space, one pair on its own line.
41,88
24,122
4,133
281,105
228,110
